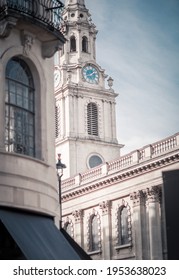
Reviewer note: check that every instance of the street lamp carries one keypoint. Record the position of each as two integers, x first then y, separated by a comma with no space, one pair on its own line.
59,167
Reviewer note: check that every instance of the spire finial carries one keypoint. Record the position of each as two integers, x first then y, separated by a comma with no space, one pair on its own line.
73,2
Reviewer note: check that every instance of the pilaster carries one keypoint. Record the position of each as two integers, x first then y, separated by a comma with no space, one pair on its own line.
139,224
105,207
78,215
155,237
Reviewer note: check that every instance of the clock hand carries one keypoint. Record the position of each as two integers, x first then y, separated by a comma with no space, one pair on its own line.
91,74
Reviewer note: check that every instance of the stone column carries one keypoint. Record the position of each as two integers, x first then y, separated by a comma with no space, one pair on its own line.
79,237
105,206
155,236
139,224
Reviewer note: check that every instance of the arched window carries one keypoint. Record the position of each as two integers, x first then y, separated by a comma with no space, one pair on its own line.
94,233
92,119
123,226
84,44
72,44
19,109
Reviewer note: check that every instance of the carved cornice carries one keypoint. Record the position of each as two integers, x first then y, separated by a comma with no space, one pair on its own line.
123,176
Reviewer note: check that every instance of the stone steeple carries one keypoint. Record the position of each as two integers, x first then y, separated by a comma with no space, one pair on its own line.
86,121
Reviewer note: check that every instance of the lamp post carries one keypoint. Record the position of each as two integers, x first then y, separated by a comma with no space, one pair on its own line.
59,167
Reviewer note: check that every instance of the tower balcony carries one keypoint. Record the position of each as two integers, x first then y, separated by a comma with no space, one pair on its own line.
40,17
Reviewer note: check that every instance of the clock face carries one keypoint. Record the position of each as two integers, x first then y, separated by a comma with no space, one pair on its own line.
56,77
90,74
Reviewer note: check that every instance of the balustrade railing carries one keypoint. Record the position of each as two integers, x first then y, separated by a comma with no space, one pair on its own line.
123,161
164,145
135,157
68,183
49,12
93,173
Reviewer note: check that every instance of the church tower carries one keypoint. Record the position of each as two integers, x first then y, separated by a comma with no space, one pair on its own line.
85,108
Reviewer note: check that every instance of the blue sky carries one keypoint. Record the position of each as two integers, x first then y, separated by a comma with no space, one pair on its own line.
138,45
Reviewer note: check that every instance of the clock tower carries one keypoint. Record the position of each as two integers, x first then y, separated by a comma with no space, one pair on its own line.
85,108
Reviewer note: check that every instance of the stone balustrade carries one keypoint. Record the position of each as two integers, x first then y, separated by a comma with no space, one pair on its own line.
138,156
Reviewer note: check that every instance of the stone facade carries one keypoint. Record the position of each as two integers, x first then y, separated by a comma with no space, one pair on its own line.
133,181
27,182
115,208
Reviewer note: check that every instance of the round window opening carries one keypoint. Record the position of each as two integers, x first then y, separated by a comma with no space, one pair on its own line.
94,161
72,15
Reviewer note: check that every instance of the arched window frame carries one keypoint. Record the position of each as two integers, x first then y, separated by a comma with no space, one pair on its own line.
123,235
69,223
92,119
94,242
72,44
84,44
19,108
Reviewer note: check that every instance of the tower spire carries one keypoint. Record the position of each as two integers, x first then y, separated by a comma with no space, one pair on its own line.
85,106
74,2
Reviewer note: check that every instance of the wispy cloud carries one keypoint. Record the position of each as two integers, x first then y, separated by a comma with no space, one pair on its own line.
138,45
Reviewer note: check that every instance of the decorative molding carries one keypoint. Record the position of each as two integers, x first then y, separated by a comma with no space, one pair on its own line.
78,215
27,42
117,225
154,194
122,176
67,222
6,25
89,241
105,206
49,48
138,198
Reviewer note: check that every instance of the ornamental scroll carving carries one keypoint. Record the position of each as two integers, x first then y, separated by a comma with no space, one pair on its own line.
6,27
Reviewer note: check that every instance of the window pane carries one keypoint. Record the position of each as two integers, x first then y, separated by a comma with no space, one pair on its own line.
19,135
94,161
124,226
94,234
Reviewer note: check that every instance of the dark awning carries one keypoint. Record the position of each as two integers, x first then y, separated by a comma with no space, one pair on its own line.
37,236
